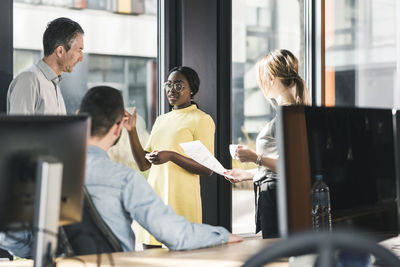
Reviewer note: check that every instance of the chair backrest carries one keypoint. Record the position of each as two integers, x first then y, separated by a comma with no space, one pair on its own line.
5,255
91,235
325,244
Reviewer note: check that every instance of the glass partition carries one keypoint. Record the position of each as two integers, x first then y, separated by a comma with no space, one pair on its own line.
120,50
361,58
257,28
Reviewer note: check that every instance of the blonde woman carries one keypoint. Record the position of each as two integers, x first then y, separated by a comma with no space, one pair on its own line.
279,80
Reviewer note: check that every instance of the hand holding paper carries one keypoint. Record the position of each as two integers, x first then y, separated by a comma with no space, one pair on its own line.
199,153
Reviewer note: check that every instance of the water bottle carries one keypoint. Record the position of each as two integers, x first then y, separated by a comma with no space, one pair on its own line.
321,205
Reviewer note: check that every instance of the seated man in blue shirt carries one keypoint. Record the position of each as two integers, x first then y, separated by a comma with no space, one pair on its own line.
122,195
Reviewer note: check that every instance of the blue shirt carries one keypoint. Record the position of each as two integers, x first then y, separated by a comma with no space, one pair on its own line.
122,195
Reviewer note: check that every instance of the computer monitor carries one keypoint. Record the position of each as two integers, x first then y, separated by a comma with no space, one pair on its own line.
22,140
354,150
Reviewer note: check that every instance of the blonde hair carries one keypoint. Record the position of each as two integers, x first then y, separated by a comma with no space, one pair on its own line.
283,65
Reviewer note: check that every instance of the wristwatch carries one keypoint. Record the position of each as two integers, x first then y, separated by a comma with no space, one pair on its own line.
258,161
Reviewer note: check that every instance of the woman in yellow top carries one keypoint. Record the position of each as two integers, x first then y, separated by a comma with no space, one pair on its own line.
174,176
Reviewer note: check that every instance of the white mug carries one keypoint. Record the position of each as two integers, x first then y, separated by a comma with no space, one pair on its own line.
232,150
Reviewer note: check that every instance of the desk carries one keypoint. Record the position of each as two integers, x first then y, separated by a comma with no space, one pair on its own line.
232,255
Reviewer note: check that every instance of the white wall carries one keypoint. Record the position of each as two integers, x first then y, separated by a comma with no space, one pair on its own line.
105,32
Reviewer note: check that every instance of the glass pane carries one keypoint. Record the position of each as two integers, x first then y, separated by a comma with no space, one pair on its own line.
361,53
23,59
257,28
120,51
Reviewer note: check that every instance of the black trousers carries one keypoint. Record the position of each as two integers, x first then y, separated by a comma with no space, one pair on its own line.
266,208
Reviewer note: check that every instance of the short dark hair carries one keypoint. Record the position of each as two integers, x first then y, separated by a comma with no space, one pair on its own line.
105,106
61,31
191,76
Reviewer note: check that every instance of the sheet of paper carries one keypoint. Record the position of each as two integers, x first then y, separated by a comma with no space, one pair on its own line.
199,153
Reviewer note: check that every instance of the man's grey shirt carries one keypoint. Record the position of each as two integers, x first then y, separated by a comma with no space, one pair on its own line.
122,195
36,91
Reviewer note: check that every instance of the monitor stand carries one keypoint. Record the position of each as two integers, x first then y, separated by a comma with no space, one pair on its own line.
47,210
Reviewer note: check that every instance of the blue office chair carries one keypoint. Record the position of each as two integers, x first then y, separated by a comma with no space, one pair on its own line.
325,244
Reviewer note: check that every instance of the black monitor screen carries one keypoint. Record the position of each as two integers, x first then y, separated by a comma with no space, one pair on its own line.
22,140
354,151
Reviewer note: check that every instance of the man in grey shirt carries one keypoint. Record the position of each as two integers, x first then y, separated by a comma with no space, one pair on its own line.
36,90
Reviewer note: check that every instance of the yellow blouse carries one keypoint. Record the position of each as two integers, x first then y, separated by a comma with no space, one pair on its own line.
177,187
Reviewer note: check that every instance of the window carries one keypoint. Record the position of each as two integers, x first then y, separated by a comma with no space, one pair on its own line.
257,28
120,51
361,63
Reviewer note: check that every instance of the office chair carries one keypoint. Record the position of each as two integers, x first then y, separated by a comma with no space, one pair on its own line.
325,244
5,255
91,235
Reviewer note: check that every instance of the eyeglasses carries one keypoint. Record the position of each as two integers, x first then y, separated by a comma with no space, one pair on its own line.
178,87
